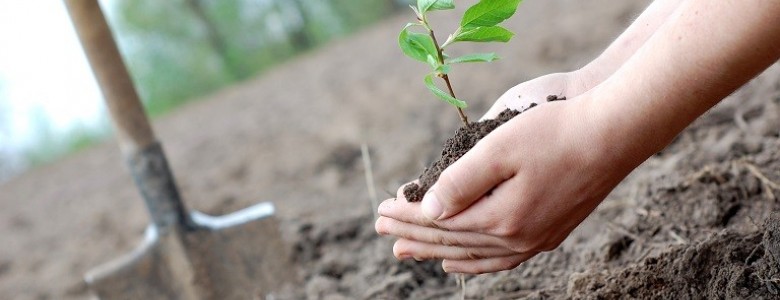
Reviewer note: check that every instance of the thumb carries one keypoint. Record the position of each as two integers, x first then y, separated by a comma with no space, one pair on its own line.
467,180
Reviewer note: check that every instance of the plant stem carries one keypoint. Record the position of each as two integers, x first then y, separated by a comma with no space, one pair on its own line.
463,117
461,113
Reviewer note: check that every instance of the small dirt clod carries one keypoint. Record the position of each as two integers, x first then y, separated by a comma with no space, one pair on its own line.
455,147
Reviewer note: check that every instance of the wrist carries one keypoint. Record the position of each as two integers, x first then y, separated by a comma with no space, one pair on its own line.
584,79
594,73
621,134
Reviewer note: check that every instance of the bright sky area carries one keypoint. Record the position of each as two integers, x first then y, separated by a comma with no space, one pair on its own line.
43,73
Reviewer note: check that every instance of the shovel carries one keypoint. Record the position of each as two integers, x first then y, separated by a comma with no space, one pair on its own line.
184,255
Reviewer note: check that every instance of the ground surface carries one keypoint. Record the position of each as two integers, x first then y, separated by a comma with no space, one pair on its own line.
690,222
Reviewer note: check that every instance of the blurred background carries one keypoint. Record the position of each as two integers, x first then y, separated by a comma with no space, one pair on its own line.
176,51
253,101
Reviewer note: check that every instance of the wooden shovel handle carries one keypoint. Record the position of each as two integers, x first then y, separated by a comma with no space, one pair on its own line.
127,113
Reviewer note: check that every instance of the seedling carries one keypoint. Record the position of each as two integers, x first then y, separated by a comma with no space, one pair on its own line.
480,23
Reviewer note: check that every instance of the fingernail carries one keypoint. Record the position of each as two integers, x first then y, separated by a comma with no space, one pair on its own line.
431,208
448,269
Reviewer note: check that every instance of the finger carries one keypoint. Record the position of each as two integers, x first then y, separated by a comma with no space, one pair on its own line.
403,249
410,212
388,226
486,265
517,98
399,208
402,210
462,183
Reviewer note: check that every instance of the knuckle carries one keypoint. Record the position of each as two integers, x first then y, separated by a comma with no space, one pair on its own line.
438,239
473,255
520,247
507,264
506,231
497,167
548,247
444,240
551,245
449,241
424,221
441,240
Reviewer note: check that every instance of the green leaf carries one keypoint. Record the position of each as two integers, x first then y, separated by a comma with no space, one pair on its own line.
478,57
442,94
488,13
443,69
433,62
416,45
416,12
424,6
484,34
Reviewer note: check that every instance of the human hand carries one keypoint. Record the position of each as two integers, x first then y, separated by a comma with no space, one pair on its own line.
520,97
518,192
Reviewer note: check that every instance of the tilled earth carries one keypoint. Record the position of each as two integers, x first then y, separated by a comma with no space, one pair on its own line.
694,221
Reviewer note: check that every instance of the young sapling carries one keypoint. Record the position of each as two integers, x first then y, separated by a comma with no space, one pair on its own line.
480,23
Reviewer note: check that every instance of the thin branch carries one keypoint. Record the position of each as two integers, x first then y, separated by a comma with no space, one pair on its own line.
440,52
769,185
462,283
370,179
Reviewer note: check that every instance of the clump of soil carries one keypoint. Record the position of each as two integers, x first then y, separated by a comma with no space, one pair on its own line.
454,148
465,138
345,259
710,236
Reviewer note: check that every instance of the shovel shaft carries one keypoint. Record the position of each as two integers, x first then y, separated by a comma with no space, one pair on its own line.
127,113
144,154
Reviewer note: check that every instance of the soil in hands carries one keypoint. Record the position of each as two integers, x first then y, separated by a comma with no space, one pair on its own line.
454,148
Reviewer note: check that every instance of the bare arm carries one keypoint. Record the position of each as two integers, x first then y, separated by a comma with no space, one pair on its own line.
705,51
627,43
572,84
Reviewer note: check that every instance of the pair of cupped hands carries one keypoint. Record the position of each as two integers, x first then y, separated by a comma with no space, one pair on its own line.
520,191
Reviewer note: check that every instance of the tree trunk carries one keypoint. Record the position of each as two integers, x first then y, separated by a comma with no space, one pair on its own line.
299,37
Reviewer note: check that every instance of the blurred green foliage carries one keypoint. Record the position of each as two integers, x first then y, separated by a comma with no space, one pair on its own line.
179,50
50,145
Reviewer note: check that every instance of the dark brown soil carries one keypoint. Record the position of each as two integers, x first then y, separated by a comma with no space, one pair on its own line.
465,138
454,148
713,233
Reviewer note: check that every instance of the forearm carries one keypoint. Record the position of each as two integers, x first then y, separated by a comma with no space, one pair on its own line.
627,43
575,83
705,51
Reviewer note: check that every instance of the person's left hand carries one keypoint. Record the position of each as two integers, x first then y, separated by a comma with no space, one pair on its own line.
521,96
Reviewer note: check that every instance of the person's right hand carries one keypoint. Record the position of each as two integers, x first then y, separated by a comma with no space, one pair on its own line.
520,191
520,97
